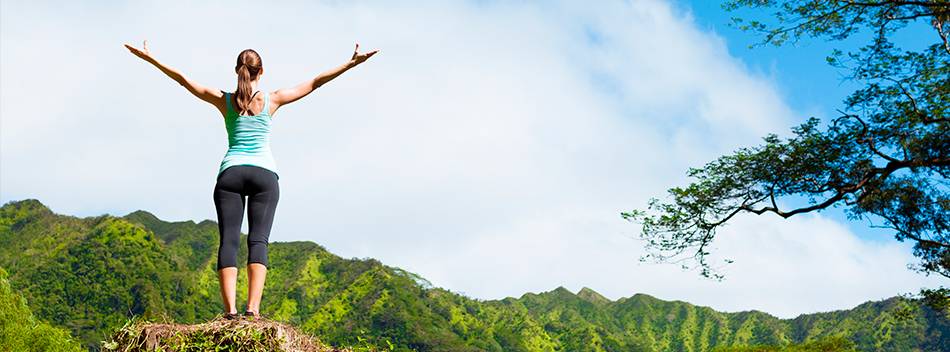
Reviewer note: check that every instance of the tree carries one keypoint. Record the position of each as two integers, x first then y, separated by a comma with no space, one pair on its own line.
885,158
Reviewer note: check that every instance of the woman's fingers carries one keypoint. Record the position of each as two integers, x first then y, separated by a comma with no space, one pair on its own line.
371,53
142,53
132,49
361,57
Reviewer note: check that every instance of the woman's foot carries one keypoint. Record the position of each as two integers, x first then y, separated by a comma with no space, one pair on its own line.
252,315
231,316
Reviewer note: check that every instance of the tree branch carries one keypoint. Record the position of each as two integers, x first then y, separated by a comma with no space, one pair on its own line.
843,190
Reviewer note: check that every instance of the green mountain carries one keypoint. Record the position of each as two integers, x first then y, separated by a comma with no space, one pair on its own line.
90,275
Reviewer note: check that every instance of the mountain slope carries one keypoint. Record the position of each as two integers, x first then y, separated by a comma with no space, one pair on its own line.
89,275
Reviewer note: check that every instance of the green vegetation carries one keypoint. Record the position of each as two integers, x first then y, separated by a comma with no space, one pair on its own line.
826,344
21,331
91,276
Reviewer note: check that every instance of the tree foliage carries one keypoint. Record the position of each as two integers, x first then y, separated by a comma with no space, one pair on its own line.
20,330
884,158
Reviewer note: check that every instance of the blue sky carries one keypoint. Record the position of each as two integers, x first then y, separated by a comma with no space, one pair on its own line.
489,146
800,68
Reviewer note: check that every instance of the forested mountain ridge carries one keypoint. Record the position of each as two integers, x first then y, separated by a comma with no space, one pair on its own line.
88,275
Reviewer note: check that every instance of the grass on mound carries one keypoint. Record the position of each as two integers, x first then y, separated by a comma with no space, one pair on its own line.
216,335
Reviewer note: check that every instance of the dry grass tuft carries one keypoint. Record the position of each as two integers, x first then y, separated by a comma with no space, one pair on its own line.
216,335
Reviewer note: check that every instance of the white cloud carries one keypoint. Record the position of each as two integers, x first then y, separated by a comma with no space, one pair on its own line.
489,146
806,264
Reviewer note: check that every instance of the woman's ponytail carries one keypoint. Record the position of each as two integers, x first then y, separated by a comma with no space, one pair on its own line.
248,68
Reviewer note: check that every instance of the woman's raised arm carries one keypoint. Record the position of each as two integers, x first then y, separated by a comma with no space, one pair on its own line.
289,95
210,95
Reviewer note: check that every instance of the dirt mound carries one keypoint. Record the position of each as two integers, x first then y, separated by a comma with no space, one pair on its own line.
216,335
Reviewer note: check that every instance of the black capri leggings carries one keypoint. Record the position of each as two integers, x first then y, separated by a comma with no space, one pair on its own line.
261,187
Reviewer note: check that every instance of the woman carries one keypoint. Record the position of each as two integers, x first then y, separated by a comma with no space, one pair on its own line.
248,168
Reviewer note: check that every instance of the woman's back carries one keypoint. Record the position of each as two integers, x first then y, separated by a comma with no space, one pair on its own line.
255,107
248,135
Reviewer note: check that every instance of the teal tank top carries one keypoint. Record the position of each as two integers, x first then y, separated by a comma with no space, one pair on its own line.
248,138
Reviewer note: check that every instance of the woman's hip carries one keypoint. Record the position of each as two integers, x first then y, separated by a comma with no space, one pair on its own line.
247,180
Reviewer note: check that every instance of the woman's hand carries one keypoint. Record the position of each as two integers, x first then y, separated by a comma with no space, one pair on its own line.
142,53
358,58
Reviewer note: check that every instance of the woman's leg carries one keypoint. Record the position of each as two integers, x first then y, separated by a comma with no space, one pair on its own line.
262,203
256,274
227,278
229,204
